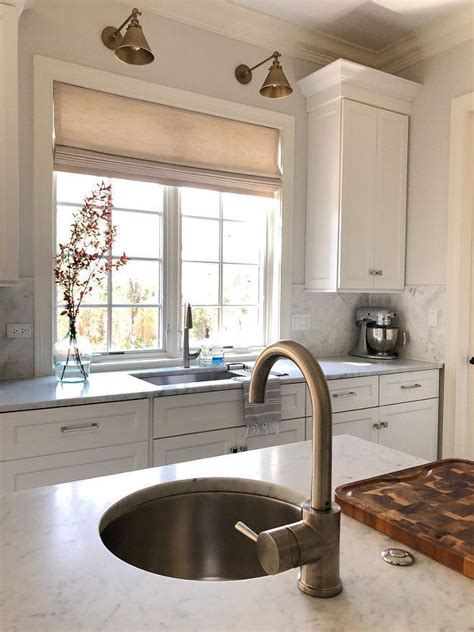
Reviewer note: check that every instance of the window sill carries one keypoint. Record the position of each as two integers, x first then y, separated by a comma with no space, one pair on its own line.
163,363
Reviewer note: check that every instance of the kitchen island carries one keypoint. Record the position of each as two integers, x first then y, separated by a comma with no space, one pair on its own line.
57,575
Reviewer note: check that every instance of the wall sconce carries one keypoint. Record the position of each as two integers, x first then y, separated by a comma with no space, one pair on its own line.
132,48
275,86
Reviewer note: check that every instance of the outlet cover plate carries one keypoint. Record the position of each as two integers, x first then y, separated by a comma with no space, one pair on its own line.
301,322
19,330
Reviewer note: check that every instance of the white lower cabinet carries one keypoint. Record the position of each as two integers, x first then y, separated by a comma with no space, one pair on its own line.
411,427
197,445
52,469
358,423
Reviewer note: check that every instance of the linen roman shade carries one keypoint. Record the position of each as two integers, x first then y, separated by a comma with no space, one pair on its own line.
105,134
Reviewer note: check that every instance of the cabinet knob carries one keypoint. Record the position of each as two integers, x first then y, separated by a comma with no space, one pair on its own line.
384,424
377,426
471,361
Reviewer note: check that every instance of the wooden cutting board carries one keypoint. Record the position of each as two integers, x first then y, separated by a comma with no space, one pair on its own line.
430,508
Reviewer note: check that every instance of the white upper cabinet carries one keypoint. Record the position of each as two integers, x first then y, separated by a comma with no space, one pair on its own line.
357,178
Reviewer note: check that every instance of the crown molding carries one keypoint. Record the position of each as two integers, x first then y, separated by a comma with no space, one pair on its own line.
258,29
246,25
439,36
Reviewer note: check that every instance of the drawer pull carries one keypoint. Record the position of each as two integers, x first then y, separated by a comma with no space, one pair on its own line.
348,394
93,426
406,387
377,426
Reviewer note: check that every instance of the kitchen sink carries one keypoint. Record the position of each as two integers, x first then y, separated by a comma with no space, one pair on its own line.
186,378
185,529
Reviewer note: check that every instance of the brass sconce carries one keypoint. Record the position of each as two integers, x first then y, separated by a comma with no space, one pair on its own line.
275,86
132,48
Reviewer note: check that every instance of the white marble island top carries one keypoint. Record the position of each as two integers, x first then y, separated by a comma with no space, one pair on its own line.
58,576
46,392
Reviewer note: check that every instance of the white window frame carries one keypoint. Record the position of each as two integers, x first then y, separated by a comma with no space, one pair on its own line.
46,72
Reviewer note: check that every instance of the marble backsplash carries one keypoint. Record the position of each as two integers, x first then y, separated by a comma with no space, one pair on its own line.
17,355
333,331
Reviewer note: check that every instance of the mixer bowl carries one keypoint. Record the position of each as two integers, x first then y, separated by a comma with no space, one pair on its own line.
382,339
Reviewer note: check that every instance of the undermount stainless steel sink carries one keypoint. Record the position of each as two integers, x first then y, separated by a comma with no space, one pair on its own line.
186,378
185,529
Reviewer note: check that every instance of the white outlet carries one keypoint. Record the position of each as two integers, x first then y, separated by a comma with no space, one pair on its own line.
432,318
22,330
301,322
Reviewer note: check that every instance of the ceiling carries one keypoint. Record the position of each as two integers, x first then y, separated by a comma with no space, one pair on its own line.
371,24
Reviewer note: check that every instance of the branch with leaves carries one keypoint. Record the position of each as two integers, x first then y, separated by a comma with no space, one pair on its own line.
82,264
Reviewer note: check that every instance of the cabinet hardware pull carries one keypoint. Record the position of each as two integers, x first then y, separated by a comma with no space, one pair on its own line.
373,272
384,424
93,426
348,394
379,272
233,450
406,387
377,426
243,448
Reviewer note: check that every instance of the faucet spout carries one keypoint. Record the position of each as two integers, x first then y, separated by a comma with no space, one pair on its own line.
322,415
313,542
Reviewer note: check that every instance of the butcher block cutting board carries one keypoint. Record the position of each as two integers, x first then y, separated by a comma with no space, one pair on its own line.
430,508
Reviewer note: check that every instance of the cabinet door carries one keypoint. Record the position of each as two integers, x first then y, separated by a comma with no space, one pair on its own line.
291,431
358,196
391,200
411,427
190,447
358,423
72,466
322,206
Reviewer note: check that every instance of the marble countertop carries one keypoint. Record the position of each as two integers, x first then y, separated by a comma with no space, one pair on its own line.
58,576
46,392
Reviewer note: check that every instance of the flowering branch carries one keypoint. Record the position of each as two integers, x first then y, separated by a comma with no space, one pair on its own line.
82,263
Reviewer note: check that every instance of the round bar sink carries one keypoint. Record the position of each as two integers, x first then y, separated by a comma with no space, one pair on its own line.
185,529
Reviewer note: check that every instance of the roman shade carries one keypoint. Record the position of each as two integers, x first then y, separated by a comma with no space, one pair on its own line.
105,134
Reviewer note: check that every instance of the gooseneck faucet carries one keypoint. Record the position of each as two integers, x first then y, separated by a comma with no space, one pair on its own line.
313,542
188,324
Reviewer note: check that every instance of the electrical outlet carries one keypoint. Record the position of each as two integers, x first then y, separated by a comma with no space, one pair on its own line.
432,318
22,330
301,322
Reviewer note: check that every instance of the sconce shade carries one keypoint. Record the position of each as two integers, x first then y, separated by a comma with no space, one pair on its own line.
276,85
134,49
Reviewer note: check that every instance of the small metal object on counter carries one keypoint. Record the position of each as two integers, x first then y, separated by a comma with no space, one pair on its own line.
397,557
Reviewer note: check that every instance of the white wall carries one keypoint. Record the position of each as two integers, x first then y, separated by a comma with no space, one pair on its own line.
186,57
444,77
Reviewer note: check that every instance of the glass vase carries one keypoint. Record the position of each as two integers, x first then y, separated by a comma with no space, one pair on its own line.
72,356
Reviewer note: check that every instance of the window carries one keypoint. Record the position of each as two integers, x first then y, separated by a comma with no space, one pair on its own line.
222,271
127,312
224,245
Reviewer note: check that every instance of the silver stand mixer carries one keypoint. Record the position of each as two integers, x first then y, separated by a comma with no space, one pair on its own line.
378,337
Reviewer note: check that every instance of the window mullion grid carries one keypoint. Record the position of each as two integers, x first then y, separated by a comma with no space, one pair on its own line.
221,266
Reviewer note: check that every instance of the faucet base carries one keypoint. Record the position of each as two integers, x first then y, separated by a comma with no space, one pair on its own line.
321,578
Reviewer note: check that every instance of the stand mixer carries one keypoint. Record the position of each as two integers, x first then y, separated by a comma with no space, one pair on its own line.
377,338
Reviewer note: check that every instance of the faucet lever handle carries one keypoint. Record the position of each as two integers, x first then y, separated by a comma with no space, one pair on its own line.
247,531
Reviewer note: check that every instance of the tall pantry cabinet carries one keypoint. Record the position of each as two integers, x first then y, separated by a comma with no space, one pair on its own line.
357,178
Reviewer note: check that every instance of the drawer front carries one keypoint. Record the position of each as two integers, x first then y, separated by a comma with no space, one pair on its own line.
292,401
408,387
72,466
183,414
65,429
353,393
190,447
